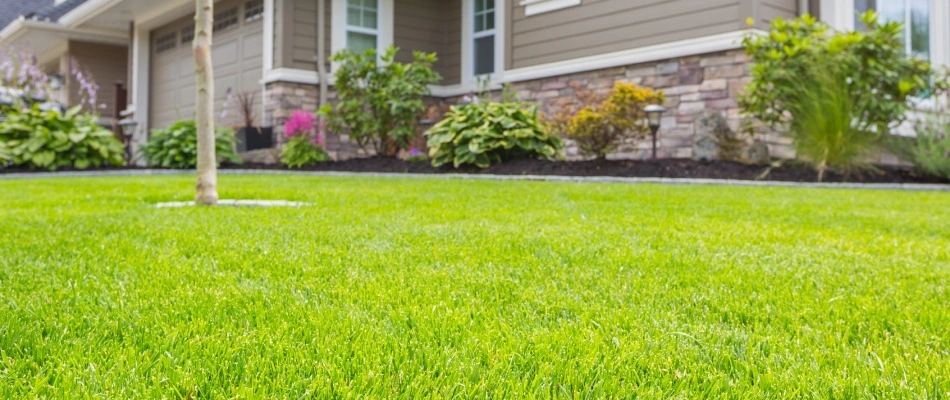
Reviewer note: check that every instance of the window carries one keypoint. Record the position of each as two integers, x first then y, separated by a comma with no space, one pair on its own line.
253,10
225,19
914,14
362,24
483,37
188,34
166,42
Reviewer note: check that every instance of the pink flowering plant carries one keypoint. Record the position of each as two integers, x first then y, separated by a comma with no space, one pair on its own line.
305,146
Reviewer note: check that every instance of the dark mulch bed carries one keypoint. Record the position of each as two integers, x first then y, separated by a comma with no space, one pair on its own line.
787,172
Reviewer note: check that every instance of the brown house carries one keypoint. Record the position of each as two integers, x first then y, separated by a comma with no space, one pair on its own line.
688,48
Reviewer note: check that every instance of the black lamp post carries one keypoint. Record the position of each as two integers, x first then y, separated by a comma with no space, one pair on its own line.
654,117
128,127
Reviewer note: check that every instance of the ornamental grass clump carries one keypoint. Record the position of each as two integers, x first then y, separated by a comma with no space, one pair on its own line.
601,124
304,148
825,132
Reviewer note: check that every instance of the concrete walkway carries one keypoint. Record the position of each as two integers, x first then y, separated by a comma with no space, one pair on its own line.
539,178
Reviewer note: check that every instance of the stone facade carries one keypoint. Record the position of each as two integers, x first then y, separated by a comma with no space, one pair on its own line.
692,85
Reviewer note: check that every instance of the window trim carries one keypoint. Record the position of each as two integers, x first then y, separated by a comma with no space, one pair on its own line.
468,42
383,32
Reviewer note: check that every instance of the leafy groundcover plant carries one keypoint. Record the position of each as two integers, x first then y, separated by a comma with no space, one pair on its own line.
177,146
48,139
487,133
302,149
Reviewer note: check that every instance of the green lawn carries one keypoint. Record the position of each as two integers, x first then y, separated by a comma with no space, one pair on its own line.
390,288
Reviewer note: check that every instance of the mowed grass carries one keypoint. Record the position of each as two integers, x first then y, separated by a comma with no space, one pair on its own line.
407,289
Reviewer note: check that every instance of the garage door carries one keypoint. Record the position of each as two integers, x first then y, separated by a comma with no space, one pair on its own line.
237,55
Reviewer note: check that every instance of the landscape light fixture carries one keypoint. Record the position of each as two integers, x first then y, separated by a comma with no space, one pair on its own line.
654,118
128,127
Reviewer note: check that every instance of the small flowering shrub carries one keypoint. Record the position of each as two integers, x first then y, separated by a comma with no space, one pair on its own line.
930,149
303,149
177,146
48,139
601,124
416,156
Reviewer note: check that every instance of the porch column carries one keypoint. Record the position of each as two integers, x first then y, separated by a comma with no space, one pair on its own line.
141,49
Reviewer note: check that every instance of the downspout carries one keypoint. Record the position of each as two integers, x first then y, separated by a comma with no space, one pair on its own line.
322,51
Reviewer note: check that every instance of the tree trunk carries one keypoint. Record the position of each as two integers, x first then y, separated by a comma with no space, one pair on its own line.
207,187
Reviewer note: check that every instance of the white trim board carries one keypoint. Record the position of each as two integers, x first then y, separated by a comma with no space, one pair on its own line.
534,7
665,51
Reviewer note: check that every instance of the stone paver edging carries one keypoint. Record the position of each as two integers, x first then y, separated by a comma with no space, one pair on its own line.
541,178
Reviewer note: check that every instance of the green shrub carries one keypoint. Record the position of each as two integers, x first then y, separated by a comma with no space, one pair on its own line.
380,100
824,132
881,76
49,139
930,149
487,133
177,146
300,151
601,124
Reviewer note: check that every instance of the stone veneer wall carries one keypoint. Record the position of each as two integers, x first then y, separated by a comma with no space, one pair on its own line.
692,85
283,98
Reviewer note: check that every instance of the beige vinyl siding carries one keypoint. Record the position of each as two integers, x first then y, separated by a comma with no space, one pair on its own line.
295,43
771,9
432,26
603,26
423,25
107,64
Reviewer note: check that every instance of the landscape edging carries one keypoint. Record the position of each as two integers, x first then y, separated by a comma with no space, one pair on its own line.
538,178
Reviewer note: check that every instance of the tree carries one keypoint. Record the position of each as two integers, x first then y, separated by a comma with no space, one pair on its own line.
207,187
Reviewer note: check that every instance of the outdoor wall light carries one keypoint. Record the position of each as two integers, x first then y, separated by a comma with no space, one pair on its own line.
128,127
654,118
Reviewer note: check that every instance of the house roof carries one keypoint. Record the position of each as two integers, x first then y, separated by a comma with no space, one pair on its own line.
10,10
55,12
37,10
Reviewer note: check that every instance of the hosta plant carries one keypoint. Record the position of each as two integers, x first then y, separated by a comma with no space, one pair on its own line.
483,134
177,146
48,139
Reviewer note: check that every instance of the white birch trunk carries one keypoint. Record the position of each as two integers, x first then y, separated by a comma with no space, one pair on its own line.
207,187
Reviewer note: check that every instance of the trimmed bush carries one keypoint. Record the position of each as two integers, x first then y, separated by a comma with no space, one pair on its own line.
601,124
177,146
48,139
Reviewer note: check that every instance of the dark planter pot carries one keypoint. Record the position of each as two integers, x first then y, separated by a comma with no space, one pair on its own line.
255,138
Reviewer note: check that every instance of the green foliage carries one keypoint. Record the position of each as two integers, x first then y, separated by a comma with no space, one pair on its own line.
824,131
881,76
380,99
483,134
601,124
300,151
437,288
930,149
177,146
51,140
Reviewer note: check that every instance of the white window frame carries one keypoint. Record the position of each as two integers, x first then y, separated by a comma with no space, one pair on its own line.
383,32
840,14
468,43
